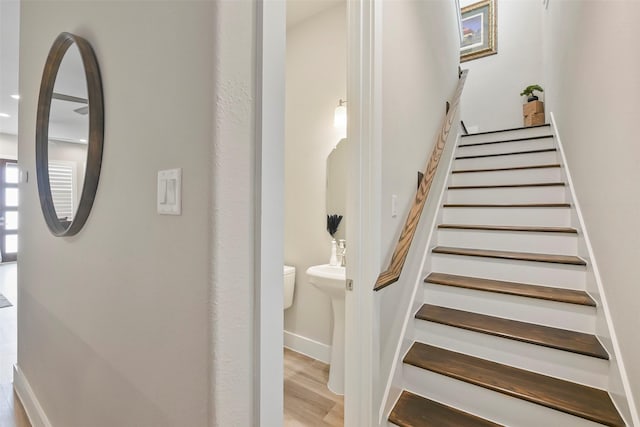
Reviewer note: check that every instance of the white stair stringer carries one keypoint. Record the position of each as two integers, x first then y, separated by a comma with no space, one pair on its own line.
546,206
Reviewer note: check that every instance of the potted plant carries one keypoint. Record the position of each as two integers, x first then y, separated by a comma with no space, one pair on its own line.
528,91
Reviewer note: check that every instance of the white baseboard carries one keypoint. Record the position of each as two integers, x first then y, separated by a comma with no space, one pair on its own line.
32,407
307,346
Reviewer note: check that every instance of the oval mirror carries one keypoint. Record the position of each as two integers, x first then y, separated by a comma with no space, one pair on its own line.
69,134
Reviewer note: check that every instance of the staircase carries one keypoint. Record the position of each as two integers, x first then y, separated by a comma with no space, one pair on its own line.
505,334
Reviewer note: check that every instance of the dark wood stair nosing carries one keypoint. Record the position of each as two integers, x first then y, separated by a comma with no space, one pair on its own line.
514,153
542,292
529,138
506,130
575,399
506,205
528,229
530,333
495,186
414,410
511,255
513,168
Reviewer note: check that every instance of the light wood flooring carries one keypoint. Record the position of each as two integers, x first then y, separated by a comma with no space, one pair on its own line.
307,400
11,411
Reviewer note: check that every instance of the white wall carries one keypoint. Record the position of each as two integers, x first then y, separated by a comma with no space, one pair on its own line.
316,80
491,99
419,74
592,80
8,146
113,323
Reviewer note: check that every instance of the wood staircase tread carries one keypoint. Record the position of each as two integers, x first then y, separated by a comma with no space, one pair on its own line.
519,256
527,228
533,184
511,153
514,168
528,138
412,410
507,130
575,399
548,293
559,339
506,205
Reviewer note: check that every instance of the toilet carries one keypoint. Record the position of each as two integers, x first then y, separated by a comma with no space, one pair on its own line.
289,284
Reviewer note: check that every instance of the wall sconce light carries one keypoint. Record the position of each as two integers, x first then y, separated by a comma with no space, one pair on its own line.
340,118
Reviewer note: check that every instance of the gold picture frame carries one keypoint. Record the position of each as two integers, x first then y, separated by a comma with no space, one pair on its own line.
479,33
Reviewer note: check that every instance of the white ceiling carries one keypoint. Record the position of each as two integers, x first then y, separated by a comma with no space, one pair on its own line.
297,12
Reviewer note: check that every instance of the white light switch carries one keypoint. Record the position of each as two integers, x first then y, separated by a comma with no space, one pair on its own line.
170,192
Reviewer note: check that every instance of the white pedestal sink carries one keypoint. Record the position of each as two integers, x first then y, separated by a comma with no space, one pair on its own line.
331,280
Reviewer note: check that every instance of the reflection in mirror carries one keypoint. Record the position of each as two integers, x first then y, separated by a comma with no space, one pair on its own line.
337,185
68,135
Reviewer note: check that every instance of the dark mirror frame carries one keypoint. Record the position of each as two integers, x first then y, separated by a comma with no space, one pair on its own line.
95,139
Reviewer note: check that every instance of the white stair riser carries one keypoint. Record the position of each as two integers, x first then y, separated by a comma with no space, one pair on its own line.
505,147
542,273
531,310
521,241
555,194
531,159
485,403
552,217
523,176
506,135
547,361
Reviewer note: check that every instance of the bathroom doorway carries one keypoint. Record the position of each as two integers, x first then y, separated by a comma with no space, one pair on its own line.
316,84
361,221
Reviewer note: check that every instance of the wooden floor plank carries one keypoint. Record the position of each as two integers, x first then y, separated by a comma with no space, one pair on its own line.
307,400
560,339
527,228
549,293
412,410
518,256
575,399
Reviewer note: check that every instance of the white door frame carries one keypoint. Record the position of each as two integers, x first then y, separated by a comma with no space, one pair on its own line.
269,215
363,209
363,219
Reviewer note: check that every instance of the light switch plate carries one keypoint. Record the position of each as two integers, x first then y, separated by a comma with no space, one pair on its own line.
170,192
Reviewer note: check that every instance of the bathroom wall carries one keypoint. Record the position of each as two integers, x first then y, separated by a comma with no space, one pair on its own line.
316,80
113,323
491,99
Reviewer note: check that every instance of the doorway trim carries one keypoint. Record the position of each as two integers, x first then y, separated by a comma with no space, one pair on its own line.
363,193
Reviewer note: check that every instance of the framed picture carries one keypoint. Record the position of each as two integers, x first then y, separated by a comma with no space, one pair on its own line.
478,30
